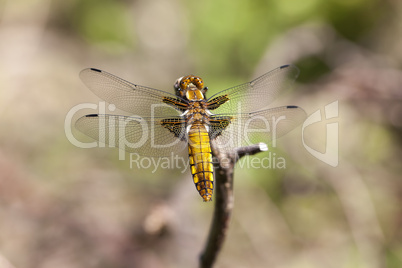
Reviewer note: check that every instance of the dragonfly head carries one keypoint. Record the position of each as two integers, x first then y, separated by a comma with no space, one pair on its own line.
189,83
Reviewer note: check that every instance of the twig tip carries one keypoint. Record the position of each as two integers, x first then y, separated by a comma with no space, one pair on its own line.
263,147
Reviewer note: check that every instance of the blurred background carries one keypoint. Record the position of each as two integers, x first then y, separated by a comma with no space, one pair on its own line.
63,206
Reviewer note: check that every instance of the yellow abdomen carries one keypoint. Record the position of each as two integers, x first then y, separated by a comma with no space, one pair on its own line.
200,155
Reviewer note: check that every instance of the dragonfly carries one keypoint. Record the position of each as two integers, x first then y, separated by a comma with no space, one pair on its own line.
186,121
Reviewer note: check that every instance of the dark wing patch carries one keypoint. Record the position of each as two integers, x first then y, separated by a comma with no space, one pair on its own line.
176,103
176,126
217,124
216,102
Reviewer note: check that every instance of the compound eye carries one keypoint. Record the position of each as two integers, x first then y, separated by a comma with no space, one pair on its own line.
176,84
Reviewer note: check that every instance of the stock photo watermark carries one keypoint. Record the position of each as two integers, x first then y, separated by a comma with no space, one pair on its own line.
272,161
112,132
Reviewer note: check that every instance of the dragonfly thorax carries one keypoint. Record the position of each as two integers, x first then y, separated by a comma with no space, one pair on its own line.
194,95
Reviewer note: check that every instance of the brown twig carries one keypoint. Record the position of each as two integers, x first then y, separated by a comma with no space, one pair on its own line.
224,200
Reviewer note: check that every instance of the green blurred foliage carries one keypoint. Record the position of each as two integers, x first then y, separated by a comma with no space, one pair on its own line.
353,19
106,23
313,68
228,37
232,36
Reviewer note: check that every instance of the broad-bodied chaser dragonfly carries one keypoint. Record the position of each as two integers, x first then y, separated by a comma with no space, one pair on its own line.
162,123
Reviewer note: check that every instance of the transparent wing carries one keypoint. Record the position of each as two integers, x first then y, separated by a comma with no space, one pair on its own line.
262,126
143,135
135,99
259,93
